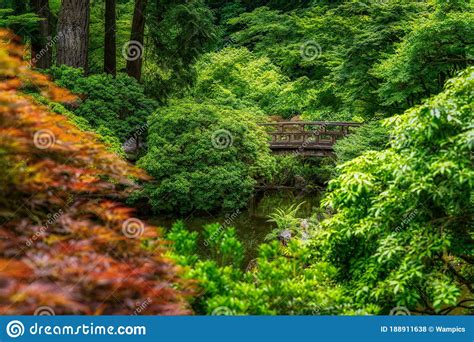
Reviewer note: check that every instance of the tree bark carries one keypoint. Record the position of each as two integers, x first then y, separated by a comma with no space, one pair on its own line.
110,48
134,65
41,43
73,33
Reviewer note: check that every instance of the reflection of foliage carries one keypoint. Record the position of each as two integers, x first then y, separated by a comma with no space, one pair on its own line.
77,260
424,180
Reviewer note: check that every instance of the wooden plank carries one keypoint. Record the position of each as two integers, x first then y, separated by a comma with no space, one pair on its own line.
295,147
338,134
314,123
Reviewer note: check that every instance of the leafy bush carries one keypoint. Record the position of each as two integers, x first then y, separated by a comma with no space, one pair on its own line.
362,57
401,234
61,243
105,135
204,157
118,104
285,220
304,173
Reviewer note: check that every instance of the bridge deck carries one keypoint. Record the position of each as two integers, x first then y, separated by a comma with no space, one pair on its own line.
312,138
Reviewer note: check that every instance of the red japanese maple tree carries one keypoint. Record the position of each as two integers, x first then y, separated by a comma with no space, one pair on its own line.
65,242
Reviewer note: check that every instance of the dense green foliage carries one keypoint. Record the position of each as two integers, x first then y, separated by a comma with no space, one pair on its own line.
435,50
104,134
124,20
348,55
115,104
23,23
401,233
394,228
180,31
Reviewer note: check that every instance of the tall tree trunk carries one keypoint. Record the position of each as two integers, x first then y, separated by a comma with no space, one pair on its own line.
41,43
73,33
110,48
134,61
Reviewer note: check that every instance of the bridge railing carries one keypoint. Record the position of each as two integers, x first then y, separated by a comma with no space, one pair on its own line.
307,133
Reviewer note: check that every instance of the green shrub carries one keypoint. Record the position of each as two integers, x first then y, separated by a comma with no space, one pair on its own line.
116,103
204,157
285,220
401,234
304,173
105,135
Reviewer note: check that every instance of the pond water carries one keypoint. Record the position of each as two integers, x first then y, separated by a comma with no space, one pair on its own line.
251,224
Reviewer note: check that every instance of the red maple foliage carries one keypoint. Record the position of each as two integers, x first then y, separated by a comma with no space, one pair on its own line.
65,242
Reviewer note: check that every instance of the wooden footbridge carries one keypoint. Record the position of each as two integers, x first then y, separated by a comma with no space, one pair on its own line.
307,138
